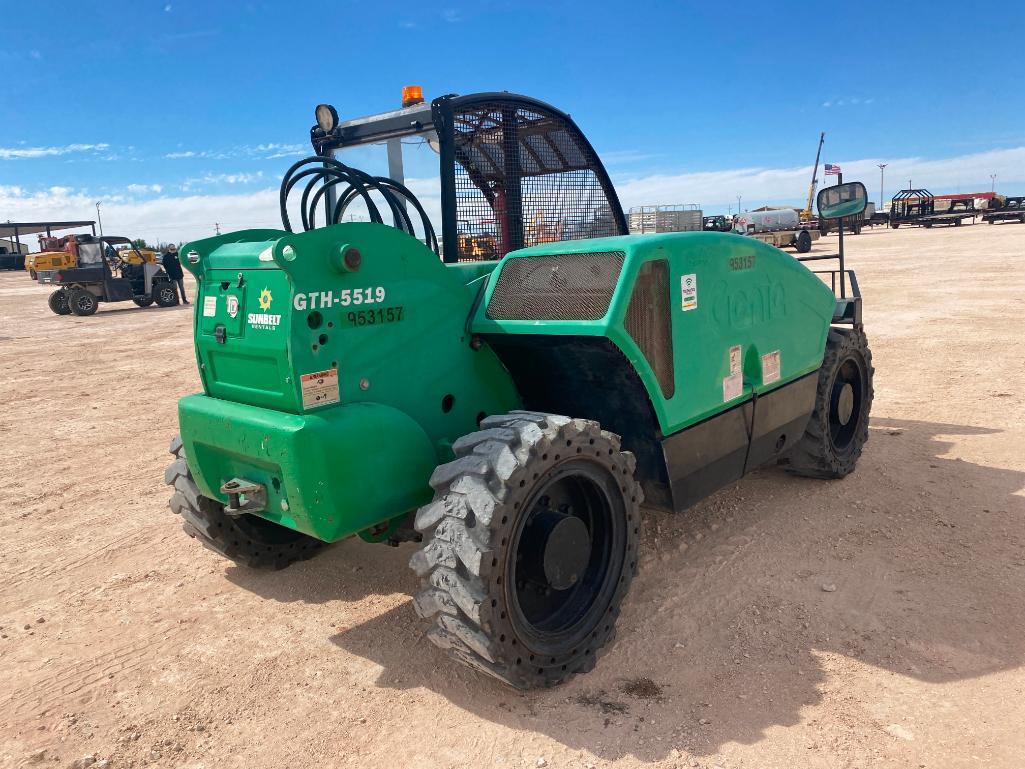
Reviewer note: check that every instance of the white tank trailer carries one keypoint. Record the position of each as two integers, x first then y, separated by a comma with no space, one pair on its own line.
750,222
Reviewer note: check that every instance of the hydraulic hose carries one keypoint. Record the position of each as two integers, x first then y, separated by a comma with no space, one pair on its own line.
350,184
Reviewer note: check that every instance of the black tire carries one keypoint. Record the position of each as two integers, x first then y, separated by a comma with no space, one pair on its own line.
32,274
58,302
838,428
247,540
165,294
530,546
82,302
803,242
894,225
143,301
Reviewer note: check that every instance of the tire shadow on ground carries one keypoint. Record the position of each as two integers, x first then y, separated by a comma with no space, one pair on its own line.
747,604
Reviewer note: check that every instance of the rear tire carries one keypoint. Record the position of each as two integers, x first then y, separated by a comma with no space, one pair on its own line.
803,242
530,546
58,302
82,302
838,428
248,540
165,294
143,301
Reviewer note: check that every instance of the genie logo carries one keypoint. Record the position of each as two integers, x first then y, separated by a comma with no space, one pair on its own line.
755,304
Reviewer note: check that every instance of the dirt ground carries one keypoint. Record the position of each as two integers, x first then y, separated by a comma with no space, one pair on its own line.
871,622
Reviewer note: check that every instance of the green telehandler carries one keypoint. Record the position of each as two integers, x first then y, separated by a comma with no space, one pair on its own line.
508,415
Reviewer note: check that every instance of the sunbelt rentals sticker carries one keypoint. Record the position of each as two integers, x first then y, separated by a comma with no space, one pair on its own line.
264,320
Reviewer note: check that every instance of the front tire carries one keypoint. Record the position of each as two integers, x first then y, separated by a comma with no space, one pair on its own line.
248,540
530,546
82,302
58,302
838,428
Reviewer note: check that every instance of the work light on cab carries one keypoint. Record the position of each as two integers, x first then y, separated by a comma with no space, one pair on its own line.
327,117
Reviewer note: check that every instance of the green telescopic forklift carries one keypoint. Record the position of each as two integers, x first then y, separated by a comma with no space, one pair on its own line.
508,415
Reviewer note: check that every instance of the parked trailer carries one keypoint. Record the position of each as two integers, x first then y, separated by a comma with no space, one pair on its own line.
1012,210
779,227
685,217
919,208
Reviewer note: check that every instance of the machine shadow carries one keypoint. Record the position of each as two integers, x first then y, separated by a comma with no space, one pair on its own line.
912,565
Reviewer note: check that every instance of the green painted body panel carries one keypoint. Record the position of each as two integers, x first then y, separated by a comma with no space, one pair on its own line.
747,293
356,456
392,334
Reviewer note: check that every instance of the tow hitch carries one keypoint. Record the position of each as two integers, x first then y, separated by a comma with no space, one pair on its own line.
244,497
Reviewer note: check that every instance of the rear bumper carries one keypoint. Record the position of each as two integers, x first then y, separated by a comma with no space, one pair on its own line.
328,475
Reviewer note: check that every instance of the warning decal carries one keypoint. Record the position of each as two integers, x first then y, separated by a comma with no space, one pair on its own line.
320,388
689,291
770,367
209,306
732,387
735,359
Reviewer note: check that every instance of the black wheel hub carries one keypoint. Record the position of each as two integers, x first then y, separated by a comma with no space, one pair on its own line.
846,403
564,545
569,549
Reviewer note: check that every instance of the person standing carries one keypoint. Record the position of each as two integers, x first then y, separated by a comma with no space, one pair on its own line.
174,270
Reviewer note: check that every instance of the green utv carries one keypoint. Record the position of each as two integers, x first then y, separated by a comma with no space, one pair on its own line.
510,416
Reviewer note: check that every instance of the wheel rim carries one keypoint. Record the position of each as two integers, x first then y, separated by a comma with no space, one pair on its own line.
167,295
845,404
84,303
567,556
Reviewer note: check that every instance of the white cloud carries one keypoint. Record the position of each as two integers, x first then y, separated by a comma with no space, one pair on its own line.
757,186
18,153
208,179
142,188
177,155
185,217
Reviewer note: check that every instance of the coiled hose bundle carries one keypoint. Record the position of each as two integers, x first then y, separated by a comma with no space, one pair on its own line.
351,184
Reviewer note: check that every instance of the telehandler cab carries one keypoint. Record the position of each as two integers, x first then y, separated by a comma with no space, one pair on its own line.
510,415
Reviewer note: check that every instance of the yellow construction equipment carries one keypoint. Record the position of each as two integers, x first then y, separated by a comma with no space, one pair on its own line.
806,213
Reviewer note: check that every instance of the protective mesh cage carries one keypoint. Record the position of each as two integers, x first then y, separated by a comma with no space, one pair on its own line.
523,177
557,287
649,324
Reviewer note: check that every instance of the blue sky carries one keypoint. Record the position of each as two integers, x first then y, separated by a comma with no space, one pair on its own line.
180,113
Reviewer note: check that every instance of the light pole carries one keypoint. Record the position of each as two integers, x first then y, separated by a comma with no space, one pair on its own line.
881,172
993,182
738,204
99,218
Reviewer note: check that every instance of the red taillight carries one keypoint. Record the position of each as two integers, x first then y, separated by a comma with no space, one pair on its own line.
58,277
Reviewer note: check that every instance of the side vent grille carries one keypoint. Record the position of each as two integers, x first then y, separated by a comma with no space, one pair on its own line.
556,287
649,323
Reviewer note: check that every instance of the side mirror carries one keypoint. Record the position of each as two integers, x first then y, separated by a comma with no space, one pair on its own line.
848,199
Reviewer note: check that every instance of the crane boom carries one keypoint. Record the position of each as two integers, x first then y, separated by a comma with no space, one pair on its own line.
806,213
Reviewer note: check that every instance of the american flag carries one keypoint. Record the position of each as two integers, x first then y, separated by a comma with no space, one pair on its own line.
832,170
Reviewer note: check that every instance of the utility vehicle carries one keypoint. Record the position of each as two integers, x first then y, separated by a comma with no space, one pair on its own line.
102,274
509,416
